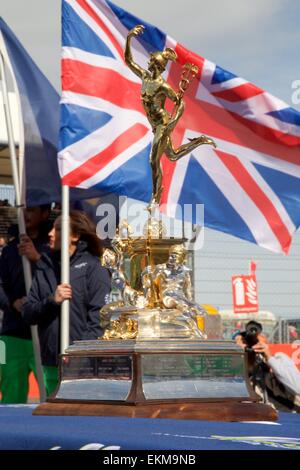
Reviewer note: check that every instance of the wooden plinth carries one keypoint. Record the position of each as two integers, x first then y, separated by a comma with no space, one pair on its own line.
209,411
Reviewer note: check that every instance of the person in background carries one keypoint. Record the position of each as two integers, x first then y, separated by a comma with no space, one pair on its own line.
4,203
88,288
282,366
2,243
15,333
293,333
281,377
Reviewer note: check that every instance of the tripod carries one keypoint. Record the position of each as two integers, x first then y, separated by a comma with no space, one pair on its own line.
259,371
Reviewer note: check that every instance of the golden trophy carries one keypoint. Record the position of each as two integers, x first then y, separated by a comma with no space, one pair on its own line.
162,354
155,91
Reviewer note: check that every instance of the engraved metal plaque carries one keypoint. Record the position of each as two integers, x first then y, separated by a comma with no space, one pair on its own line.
175,376
106,377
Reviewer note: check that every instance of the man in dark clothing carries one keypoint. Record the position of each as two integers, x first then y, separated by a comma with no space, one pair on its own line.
15,332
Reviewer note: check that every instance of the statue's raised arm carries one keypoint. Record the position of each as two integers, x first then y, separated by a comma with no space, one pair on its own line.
136,31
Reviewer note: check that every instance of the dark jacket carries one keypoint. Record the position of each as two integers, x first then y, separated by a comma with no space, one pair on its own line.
12,286
90,284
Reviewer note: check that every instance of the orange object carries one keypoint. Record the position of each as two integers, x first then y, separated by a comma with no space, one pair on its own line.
291,350
34,393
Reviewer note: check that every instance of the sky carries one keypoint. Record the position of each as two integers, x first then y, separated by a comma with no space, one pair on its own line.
258,40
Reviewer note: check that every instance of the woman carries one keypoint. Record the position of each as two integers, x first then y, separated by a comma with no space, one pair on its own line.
89,284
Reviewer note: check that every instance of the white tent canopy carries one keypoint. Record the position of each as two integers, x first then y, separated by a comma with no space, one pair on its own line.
5,166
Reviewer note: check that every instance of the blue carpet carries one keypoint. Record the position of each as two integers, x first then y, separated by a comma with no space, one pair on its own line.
20,430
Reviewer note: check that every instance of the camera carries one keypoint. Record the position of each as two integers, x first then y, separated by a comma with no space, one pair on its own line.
250,335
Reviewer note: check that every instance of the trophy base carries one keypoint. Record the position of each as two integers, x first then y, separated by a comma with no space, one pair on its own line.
207,411
179,379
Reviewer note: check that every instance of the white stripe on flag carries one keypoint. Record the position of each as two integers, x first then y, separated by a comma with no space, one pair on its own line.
269,161
261,182
101,61
240,201
117,162
69,97
86,18
75,155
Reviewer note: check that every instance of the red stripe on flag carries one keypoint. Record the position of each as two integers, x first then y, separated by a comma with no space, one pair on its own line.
260,199
219,122
238,93
107,84
84,5
99,161
281,138
206,118
185,56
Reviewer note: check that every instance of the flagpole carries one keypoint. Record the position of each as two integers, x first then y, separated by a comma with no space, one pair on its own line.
21,223
65,268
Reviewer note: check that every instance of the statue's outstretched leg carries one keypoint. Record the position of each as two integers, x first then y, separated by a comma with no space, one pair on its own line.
176,154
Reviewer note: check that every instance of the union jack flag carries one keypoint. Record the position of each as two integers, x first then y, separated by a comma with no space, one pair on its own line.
249,184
